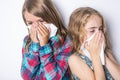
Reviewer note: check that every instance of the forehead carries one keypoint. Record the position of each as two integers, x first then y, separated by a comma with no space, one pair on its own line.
93,21
30,17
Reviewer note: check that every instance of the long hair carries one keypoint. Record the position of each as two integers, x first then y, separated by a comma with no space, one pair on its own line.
47,11
76,27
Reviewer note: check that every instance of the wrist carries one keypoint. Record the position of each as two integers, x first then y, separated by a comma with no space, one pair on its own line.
95,56
35,46
43,44
35,41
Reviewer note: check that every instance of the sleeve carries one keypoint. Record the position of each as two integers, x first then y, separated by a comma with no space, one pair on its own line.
55,62
30,61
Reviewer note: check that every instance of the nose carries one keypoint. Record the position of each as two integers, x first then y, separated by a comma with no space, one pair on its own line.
97,30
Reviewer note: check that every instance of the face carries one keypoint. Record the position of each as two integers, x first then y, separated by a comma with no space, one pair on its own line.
32,20
93,25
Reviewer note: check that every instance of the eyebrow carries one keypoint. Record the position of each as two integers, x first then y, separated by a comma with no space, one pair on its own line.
94,27
32,21
28,21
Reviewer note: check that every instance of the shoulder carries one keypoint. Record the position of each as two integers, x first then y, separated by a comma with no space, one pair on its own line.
26,38
76,60
73,59
79,68
67,42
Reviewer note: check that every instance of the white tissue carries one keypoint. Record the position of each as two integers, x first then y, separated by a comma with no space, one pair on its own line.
102,54
53,29
86,52
29,27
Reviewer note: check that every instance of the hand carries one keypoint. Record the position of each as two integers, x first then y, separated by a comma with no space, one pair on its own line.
33,34
43,34
94,47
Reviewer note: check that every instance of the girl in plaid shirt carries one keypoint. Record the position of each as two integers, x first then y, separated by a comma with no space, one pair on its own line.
44,55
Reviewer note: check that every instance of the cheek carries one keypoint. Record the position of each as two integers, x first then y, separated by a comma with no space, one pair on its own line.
89,34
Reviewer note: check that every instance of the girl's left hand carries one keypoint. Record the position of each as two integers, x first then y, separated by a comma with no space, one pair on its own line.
94,46
43,34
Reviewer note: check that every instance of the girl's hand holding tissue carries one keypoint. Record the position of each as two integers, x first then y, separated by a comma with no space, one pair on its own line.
33,33
43,34
95,44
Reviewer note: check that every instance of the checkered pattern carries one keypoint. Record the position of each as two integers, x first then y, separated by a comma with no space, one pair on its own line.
48,62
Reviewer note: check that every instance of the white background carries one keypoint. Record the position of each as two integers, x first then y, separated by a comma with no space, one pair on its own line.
13,29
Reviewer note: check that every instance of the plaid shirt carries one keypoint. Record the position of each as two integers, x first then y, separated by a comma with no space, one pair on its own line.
48,62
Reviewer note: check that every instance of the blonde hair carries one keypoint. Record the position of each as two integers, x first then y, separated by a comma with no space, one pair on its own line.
77,22
46,10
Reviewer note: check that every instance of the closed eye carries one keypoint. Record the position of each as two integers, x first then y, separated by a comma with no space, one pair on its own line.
92,31
41,21
29,23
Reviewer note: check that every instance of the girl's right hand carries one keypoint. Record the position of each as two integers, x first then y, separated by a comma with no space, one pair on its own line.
33,34
95,44
43,34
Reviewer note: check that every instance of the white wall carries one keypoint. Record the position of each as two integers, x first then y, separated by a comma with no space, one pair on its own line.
109,9
12,30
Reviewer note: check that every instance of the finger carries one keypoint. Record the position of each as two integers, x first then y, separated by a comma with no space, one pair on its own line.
41,32
95,38
49,29
100,41
103,37
35,33
98,37
103,40
43,27
38,35
31,29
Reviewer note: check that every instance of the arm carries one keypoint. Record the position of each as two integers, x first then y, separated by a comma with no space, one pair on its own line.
30,61
94,48
55,62
112,66
80,69
98,68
